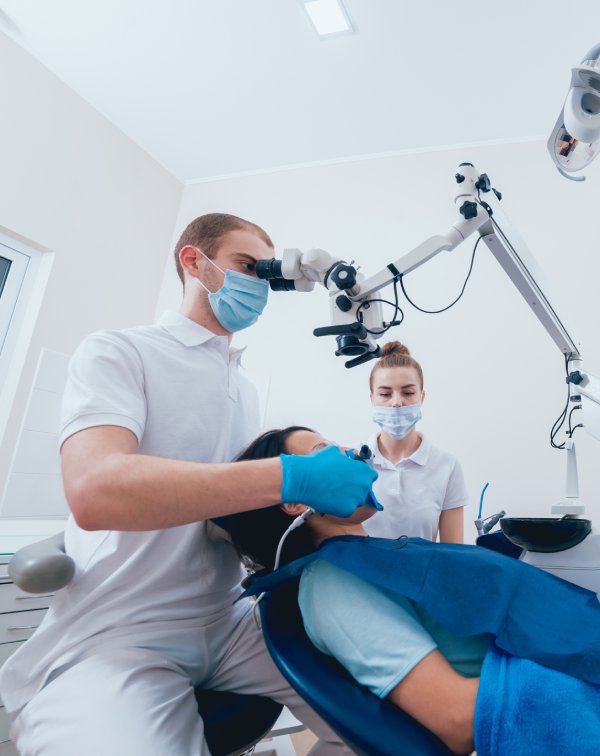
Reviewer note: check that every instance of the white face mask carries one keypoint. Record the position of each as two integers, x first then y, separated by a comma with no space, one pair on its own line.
397,421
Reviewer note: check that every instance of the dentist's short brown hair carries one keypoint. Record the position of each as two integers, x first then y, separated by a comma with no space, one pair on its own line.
206,231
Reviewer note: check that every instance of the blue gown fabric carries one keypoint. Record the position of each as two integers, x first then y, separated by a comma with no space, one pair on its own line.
472,590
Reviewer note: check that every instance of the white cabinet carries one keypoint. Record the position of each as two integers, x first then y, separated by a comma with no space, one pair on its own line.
20,612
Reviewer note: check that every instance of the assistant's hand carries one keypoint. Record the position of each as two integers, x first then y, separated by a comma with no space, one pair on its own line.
327,480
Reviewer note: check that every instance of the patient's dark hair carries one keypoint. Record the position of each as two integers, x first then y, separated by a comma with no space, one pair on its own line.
257,533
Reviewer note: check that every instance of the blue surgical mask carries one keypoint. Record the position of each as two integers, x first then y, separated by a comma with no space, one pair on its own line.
397,421
239,301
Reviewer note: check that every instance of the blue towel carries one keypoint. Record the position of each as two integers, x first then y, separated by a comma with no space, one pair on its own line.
525,709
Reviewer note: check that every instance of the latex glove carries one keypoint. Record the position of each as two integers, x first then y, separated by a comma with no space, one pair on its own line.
371,500
327,480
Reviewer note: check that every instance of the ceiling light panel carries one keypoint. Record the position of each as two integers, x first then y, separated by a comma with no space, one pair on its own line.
328,17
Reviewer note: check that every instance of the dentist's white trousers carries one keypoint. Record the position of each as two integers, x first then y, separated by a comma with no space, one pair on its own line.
137,701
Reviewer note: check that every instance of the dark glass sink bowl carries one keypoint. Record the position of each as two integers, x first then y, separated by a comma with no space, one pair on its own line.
546,534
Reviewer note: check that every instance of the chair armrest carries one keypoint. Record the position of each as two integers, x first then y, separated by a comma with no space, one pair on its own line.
42,567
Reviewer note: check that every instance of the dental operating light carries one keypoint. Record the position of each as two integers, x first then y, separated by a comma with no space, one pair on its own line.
575,139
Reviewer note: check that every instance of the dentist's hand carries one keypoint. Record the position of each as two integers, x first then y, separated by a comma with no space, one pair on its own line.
327,480
371,500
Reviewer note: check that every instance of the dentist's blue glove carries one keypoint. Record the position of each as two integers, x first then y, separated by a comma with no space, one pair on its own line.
371,500
327,480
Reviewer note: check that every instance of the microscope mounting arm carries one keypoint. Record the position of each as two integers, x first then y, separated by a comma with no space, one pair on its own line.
504,242
487,218
355,313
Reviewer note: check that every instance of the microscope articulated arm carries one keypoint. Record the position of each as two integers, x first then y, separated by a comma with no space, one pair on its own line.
504,243
481,210
355,313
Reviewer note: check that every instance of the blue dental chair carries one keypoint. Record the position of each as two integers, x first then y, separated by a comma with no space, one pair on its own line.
368,725
233,723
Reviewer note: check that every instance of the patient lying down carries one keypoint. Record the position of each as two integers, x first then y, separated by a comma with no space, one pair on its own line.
386,642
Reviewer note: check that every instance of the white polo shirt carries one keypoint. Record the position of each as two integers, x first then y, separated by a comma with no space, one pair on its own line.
414,491
179,388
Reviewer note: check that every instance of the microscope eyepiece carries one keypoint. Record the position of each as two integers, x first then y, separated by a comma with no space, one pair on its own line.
268,269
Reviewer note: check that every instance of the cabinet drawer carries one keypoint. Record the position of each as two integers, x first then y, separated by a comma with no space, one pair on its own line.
18,626
13,599
4,560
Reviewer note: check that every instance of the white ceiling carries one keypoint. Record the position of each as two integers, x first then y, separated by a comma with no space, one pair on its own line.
218,87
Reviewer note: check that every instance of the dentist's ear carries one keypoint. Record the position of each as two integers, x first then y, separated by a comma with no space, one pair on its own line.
293,510
190,259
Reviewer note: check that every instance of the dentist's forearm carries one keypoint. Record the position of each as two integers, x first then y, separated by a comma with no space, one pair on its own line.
138,492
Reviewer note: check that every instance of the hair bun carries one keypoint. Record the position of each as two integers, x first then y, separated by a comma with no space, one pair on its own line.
394,347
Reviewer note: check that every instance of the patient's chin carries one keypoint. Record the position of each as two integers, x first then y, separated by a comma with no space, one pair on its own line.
363,513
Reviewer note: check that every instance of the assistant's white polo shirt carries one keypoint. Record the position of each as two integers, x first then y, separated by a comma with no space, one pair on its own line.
415,491
180,390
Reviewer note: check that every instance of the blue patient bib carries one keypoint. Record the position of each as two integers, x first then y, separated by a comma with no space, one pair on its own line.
471,590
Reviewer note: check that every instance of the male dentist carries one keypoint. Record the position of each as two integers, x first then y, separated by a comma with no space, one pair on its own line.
152,418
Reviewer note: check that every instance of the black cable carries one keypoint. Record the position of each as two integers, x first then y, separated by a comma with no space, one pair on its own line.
558,423
569,421
462,291
396,305
557,426
580,425
393,322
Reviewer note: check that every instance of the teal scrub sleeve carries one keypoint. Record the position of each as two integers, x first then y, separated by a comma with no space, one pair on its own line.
378,639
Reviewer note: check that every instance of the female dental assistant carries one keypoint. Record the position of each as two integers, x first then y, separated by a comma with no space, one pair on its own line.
421,487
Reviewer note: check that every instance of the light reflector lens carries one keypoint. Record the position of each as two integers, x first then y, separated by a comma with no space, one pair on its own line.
328,17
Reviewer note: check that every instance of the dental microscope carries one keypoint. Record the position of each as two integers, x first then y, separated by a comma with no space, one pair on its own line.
566,545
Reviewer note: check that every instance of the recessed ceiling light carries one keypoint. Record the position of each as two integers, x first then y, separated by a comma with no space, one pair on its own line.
328,17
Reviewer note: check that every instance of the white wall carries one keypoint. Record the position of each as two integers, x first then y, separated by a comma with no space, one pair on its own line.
34,486
494,379
72,183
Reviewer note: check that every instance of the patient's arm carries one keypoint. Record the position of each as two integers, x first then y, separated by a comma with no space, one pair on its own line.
441,700
381,641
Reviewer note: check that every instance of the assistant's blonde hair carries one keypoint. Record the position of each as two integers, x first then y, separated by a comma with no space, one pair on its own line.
395,354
